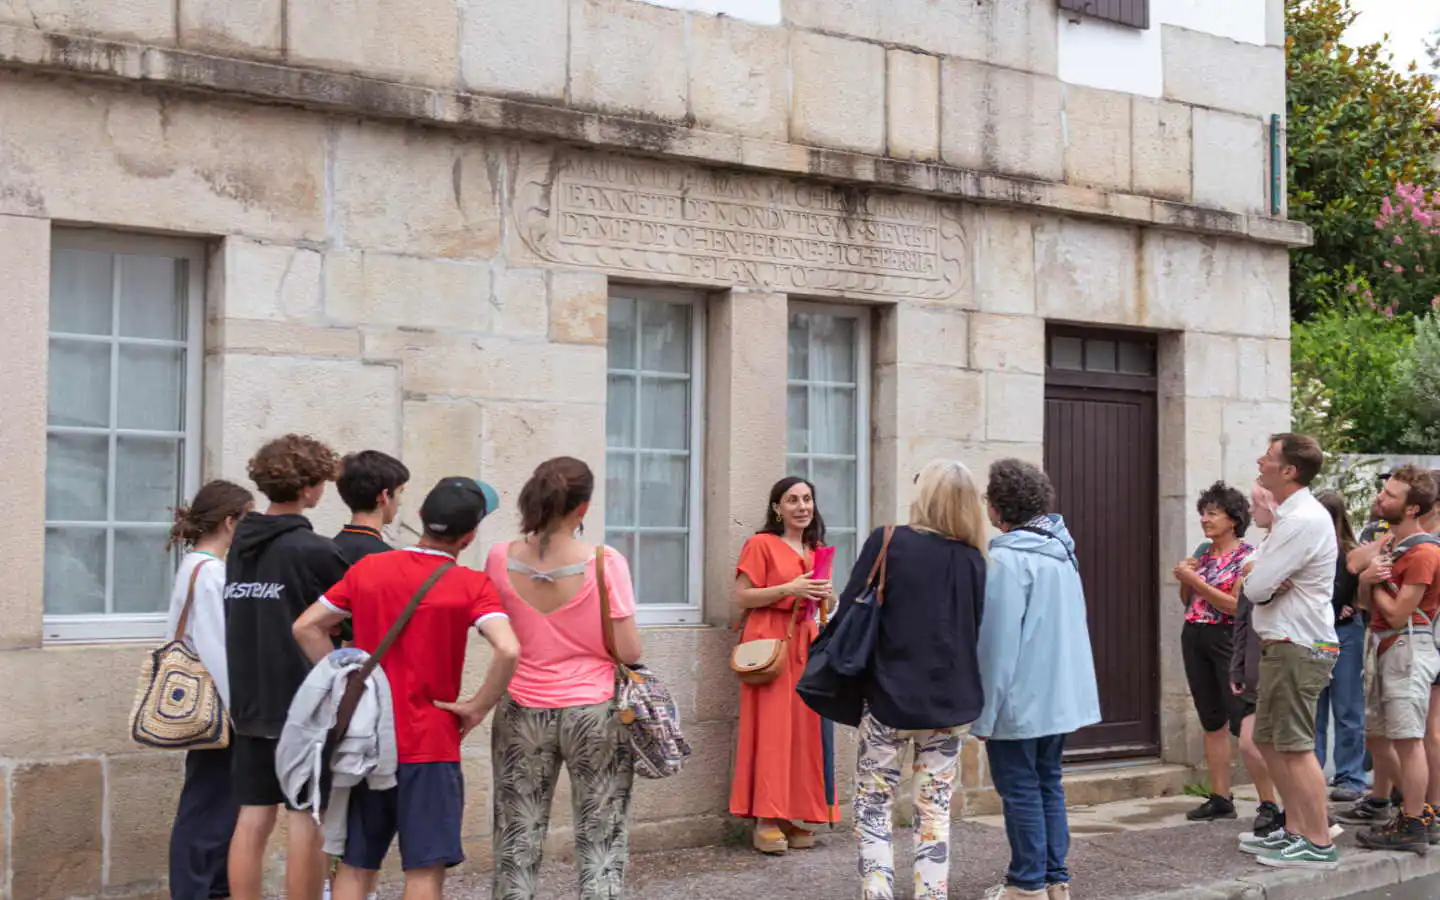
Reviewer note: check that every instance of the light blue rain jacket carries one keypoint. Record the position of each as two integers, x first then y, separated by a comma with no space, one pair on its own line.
1036,665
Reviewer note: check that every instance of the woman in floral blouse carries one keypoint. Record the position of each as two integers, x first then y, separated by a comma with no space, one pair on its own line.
1206,581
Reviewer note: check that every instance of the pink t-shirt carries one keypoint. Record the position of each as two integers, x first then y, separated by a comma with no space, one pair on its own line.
562,656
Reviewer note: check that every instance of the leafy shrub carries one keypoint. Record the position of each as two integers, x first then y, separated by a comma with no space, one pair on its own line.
1350,351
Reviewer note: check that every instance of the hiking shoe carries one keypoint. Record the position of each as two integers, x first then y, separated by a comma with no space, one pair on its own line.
1343,794
1216,807
1275,840
1432,823
1301,854
1057,892
1267,819
1367,812
1011,892
1405,833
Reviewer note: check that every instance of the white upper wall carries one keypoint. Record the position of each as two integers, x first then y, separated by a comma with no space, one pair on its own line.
762,12
1100,54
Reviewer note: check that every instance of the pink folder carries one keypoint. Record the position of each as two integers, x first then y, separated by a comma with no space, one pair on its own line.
824,562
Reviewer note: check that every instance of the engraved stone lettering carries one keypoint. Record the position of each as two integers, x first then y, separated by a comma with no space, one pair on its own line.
716,228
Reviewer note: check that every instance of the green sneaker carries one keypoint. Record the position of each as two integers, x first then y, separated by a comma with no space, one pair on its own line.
1278,839
1301,854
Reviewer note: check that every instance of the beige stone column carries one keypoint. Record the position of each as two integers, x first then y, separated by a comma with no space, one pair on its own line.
24,359
1220,398
745,427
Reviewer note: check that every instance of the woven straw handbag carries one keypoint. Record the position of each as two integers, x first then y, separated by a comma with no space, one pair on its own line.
178,706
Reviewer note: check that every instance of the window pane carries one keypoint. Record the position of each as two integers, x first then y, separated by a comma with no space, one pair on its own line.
1067,353
1100,356
74,571
664,414
620,411
76,471
621,346
81,292
844,544
150,304
798,420
665,337
1137,359
664,491
661,569
835,491
79,391
798,366
833,358
832,427
152,388
623,541
619,490
147,479
142,571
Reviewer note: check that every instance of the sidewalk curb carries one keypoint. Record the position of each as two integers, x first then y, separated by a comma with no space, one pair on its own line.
1360,874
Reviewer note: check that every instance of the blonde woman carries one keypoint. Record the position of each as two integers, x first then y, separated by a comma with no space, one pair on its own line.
923,685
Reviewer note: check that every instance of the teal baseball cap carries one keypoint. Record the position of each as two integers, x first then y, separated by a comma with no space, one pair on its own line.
456,505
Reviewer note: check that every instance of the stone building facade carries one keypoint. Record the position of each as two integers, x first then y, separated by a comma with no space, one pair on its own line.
698,244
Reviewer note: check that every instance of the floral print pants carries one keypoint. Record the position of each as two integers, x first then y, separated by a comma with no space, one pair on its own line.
877,774
527,747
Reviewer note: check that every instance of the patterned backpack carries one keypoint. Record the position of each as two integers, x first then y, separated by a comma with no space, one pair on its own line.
643,703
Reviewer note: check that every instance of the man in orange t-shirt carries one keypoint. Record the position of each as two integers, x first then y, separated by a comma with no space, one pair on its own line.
1402,586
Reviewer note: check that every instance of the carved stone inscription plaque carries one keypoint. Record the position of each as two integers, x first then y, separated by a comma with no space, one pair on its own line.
681,223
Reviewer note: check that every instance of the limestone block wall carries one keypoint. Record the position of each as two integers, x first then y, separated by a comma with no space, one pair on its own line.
443,295
976,86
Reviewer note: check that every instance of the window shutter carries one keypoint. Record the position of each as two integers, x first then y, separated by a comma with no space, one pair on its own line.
1135,13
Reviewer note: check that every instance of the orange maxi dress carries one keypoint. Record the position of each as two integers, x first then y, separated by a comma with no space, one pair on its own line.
779,762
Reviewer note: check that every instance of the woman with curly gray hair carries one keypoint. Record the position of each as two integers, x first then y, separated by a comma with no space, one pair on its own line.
1038,672
1207,589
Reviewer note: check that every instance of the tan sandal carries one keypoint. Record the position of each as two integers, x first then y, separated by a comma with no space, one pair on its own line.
770,839
798,838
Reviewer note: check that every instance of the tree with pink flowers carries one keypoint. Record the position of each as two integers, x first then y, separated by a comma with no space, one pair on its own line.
1408,279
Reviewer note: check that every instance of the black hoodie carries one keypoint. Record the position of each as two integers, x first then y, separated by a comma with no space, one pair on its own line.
277,567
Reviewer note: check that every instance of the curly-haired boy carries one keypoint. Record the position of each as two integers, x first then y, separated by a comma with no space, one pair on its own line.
277,567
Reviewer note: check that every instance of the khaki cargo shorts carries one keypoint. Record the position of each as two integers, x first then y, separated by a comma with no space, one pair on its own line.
1292,677
1397,685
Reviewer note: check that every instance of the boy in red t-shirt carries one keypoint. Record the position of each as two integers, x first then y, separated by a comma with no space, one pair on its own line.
424,667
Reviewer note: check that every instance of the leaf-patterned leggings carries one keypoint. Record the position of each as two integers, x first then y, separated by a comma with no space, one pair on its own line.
527,746
877,774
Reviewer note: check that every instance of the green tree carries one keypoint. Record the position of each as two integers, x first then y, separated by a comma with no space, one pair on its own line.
1344,360
1356,127
1417,388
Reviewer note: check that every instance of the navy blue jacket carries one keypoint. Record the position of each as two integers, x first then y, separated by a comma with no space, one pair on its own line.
925,673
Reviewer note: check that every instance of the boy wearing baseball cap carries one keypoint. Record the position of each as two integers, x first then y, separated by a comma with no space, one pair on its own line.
424,667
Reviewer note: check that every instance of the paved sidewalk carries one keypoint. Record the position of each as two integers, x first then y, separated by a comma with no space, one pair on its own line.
1135,849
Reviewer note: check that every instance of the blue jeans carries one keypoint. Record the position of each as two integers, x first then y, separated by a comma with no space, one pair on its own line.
1345,698
1027,778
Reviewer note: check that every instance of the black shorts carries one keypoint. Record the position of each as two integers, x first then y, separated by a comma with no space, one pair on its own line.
1206,650
425,808
252,771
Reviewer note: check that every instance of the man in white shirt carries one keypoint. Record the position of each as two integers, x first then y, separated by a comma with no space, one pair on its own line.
1291,586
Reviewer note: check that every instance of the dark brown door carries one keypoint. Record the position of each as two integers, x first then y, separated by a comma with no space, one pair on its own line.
1101,453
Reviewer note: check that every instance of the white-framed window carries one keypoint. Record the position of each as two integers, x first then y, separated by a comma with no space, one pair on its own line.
123,429
653,439
828,434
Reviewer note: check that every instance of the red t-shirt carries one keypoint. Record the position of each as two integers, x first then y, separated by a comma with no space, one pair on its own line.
426,662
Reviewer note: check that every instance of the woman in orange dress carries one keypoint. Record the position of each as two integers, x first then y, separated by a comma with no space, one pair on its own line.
780,763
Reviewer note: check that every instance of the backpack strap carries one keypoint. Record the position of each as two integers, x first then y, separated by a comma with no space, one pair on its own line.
1413,541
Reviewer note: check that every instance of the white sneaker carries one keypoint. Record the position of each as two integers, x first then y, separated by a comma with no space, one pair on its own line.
1010,892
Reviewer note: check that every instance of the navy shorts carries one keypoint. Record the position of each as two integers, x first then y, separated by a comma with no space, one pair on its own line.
425,808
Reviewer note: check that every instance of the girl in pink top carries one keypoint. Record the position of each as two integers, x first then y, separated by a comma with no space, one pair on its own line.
560,706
